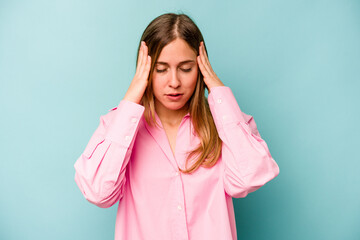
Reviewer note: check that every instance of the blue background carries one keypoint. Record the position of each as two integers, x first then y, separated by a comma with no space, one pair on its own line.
293,65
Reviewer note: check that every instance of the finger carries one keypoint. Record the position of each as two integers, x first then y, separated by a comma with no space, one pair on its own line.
205,55
204,60
143,70
140,54
143,59
146,56
143,53
144,73
146,50
148,63
202,68
148,66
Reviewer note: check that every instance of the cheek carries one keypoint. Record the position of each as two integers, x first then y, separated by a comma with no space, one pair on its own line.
193,79
157,80
155,85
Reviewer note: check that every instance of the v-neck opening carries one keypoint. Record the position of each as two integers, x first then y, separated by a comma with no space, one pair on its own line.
177,132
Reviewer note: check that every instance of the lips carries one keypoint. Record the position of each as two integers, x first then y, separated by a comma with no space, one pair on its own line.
174,96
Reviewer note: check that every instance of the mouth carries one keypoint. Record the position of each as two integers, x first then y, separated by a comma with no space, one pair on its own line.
174,94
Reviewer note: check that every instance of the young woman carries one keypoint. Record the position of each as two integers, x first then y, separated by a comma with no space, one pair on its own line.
170,157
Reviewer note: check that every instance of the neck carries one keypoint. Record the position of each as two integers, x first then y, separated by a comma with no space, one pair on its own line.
170,117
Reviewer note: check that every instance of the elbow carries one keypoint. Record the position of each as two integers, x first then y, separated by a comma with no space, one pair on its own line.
237,193
241,191
262,170
103,197
235,186
262,176
271,171
244,190
102,202
240,187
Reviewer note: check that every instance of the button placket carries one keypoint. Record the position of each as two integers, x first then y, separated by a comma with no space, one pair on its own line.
179,208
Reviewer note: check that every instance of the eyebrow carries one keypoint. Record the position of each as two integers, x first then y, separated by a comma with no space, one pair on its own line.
181,63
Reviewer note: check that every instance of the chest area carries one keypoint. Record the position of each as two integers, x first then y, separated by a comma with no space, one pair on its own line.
171,135
166,147
154,166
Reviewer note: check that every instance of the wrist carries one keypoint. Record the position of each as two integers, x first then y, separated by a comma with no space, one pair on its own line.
216,85
132,98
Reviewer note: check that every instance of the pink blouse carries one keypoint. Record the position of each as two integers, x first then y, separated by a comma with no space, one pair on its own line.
130,163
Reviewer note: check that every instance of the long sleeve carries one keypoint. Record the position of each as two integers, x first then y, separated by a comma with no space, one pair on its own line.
100,170
248,164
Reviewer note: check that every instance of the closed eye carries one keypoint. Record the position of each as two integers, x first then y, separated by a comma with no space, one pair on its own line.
186,70
182,69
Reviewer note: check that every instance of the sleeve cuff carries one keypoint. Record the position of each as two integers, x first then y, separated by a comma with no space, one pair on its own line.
224,107
125,122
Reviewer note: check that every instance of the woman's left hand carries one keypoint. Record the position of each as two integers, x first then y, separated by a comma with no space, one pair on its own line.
210,78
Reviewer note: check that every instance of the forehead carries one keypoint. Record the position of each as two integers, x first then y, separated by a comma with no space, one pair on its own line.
177,51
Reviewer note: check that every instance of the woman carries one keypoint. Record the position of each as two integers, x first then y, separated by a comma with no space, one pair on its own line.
172,158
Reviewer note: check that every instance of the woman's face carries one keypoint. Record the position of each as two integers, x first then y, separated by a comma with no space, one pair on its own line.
174,76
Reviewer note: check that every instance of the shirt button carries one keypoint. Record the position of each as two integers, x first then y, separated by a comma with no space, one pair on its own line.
179,207
127,138
177,174
219,100
224,117
133,120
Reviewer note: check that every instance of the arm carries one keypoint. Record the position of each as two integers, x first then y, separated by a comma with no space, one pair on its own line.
100,170
248,164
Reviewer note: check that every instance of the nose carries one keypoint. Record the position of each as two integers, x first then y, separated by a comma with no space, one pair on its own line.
174,80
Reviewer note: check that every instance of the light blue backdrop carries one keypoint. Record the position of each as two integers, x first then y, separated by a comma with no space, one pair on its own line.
293,65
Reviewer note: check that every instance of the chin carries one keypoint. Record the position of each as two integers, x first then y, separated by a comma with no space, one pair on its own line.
174,106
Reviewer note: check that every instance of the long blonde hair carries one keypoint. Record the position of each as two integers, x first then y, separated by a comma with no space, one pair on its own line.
160,32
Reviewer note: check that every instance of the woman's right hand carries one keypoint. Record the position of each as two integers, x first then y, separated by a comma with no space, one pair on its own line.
138,84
